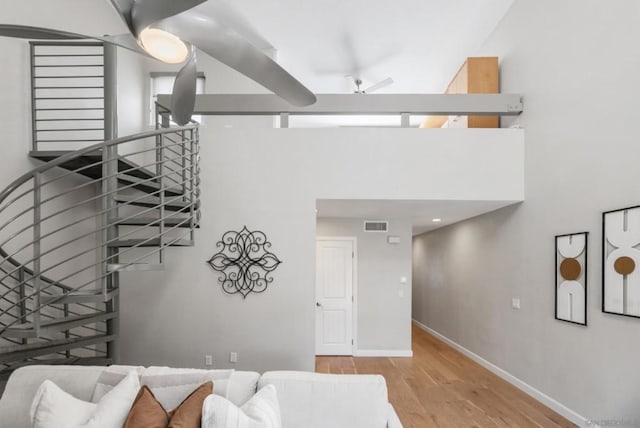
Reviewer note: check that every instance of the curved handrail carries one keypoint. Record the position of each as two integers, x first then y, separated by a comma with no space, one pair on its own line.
176,164
8,190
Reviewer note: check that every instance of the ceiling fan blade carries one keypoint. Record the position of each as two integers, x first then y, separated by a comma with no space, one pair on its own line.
223,11
36,33
231,49
126,41
124,7
183,99
147,12
386,82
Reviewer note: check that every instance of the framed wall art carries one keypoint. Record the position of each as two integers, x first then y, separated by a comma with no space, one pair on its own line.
620,262
571,278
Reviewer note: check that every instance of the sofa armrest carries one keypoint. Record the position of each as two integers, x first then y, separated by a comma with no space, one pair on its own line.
394,420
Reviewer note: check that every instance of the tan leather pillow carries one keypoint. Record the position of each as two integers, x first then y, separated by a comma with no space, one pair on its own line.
147,412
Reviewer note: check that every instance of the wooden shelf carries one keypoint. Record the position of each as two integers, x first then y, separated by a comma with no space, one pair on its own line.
478,75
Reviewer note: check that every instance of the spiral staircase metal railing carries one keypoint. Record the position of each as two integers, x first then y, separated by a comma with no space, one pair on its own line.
68,229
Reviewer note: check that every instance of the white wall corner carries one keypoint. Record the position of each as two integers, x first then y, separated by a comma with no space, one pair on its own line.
523,386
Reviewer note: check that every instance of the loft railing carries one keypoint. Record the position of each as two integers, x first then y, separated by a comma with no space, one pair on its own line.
67,94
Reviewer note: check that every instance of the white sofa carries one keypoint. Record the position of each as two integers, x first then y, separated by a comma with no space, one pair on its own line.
307,400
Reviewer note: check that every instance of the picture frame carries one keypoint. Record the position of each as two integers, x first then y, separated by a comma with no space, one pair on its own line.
621,262
571,291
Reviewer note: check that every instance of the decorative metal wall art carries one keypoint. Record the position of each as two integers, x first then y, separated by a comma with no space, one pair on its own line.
620,262
571,278
245,262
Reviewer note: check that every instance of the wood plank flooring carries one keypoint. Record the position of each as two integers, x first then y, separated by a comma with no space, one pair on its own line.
440,387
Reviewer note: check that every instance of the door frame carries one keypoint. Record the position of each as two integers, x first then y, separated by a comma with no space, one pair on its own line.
354,288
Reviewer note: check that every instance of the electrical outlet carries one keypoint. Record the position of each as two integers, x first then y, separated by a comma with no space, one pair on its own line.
515,303
208,360
233,357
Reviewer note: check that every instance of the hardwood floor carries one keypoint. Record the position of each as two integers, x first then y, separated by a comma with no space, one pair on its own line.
440,387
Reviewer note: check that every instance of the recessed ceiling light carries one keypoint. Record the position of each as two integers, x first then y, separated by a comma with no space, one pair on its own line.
436,220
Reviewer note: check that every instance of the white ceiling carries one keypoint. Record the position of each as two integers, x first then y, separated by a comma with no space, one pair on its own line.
420,213
419,43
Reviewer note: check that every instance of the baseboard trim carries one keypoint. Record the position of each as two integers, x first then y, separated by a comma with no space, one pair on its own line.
383,353
523,386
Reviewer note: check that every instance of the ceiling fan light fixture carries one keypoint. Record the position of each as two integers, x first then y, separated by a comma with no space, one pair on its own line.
163,46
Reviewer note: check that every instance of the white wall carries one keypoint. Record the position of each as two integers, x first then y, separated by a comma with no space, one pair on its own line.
384,315
269,179
577,64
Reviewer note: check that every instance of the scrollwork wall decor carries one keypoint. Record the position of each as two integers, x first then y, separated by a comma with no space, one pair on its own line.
245,261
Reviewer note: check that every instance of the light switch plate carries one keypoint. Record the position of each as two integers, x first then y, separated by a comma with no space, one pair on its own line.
515,303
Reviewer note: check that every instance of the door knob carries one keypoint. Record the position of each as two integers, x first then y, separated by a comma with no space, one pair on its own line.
318,304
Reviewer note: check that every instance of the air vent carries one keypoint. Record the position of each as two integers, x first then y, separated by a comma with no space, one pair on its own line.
376,226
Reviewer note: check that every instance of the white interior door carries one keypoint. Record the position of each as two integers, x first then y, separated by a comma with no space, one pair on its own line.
334,297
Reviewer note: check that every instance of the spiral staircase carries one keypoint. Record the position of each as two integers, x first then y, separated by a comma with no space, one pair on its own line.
70,227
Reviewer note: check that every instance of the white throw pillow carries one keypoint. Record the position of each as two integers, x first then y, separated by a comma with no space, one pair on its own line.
261,411
110,377
54,408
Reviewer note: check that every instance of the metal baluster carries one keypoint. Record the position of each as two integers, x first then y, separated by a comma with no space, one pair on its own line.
34,127
37,211
110,282
192,214
160,173
67,333
22,307
183,146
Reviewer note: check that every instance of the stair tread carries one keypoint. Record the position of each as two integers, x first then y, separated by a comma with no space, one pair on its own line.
154,242
134,267
95,296
153,202
57,324
78,361
148,186
21,352
94,171
144,221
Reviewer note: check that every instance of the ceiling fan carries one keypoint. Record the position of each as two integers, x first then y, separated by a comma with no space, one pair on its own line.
371,89
170,31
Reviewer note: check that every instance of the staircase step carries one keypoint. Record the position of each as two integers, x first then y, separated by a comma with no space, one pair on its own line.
152,202
24,352
94,171
56,325
134,267
80,297
144,221
155,242
77,361
146,186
